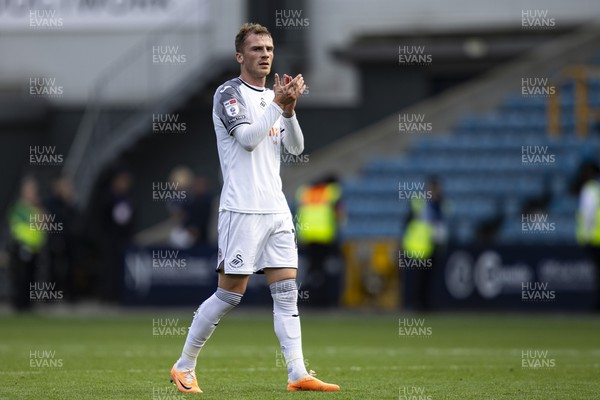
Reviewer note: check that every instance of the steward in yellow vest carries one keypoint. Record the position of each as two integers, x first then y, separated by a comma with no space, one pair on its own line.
317,219
418,236
424,231
588,215
317,212
588,218
26,242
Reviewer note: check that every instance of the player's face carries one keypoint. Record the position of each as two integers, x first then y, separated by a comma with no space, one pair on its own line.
256,57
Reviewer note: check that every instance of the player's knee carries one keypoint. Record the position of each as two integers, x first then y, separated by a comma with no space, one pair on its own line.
233,283
275,275
229,297
238,289
285,295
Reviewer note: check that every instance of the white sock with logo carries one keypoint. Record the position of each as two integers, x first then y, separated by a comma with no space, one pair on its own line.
287,326
205,321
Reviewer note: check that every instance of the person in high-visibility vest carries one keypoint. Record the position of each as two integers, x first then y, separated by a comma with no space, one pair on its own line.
318,213
588,218
425,231
26,242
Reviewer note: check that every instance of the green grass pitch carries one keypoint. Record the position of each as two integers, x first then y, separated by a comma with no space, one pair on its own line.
452,356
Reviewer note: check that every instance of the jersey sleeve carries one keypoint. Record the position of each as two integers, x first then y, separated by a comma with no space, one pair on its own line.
291,135
231,108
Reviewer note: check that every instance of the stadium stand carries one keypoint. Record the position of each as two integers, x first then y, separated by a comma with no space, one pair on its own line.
483,172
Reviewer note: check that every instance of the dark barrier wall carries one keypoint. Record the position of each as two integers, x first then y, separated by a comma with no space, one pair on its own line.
168,277
466,278
510,278
159,276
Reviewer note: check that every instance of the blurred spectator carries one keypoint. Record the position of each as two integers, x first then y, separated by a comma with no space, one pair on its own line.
588,218
318,215
62,247
26,242
180,237
116,223
191,215
198,210
425,236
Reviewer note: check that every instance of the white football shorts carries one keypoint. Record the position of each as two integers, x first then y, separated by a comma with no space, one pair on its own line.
249,243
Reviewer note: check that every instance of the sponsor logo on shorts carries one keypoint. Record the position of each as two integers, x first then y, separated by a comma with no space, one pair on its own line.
237,261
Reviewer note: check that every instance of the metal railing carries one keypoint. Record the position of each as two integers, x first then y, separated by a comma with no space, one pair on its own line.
584,113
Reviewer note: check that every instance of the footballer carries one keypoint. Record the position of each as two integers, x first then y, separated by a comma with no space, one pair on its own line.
255,227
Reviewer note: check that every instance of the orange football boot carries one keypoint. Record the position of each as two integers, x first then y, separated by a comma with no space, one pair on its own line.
313,384
185,380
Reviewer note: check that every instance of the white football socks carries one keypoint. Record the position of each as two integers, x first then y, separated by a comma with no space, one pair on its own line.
205,321
287,326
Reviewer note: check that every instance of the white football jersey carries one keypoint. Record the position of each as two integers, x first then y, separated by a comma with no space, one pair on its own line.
251,181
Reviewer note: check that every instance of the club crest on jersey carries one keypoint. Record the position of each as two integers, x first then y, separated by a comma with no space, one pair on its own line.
263,103
232,107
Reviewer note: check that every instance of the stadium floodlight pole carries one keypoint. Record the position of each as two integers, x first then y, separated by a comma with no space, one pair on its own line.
256,231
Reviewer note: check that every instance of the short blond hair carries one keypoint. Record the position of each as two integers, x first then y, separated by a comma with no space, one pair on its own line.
247,29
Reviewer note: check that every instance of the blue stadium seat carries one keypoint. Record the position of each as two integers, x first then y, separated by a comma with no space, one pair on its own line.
483,173
564,205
